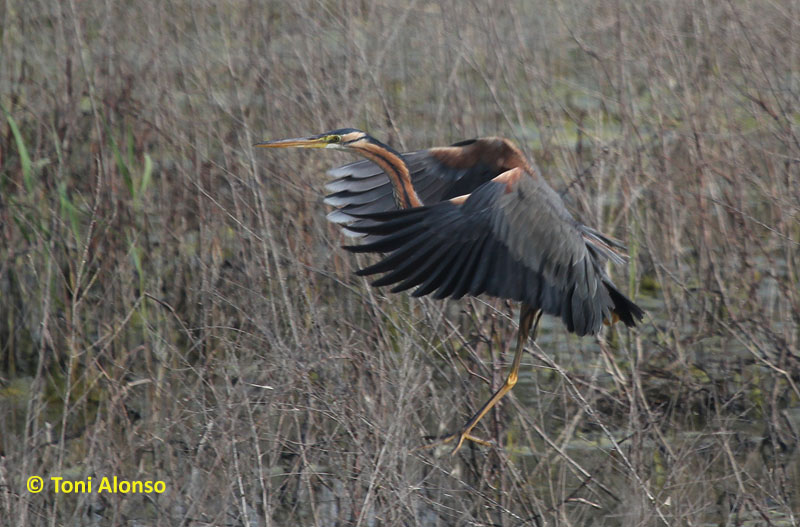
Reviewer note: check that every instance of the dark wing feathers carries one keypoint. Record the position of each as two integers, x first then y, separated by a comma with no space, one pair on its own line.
511,238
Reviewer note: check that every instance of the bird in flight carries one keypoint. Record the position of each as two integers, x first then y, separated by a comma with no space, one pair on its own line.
469,219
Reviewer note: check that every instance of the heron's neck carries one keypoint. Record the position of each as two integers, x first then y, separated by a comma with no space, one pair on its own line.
391,162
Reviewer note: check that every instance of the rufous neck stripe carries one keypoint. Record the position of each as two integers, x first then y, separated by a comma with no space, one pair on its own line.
404,194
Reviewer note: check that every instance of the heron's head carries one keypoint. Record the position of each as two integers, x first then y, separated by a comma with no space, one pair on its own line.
341,139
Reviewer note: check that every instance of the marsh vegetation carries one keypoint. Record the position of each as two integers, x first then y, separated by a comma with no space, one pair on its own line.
175,307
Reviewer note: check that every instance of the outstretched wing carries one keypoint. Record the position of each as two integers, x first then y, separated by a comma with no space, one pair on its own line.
437,174
511,238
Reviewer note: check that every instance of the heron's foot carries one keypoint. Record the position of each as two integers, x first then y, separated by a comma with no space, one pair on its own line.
465,435
459,437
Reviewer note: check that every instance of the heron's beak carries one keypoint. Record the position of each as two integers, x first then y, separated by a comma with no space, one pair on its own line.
297,142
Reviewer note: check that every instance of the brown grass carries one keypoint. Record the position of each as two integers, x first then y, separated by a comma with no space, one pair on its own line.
174,306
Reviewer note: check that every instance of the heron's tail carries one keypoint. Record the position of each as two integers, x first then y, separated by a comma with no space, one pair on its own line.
624,308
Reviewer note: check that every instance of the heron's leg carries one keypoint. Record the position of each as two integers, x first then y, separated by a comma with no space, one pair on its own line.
528,320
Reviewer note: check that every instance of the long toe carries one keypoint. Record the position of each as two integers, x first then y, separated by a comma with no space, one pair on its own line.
465,436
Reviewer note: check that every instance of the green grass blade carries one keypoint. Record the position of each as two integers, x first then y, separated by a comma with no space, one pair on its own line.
69,210
24,158
147,173
122,166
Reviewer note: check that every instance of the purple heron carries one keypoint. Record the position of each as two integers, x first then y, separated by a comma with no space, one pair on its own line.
473,218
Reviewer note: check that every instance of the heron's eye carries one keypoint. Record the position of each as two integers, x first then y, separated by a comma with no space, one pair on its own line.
334,138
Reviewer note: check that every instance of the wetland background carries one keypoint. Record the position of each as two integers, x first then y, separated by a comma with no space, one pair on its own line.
174,305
